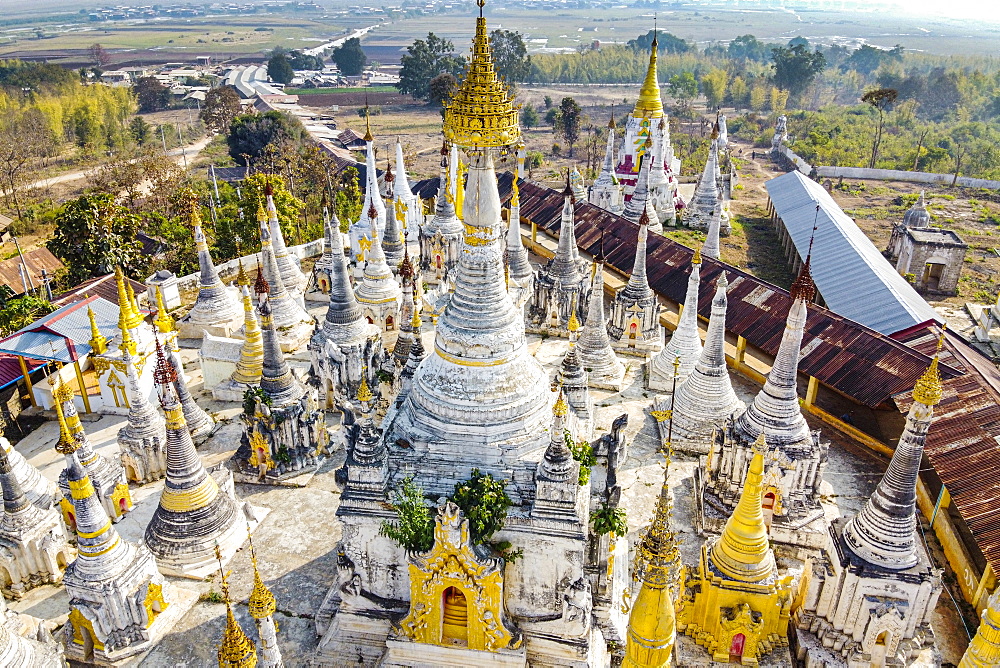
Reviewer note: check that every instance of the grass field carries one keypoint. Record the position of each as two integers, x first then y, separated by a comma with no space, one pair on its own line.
229,34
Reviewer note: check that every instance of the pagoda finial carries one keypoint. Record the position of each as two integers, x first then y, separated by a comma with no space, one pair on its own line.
574,324
261,603
649,102
515,193
128,343
928,390
163,321
236,650
803,287
560,408
364,392
66,444
98,342
696,258
368,124
242,279
482,113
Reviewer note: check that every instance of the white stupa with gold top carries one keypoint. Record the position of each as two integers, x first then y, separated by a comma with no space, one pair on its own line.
872,597
119,603
478,405
217,308
106,475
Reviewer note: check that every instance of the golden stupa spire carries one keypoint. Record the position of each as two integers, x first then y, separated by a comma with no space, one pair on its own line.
368,125
236,650
574,323
164,323
652,624
649,104
928,390
742,552
984,650
560,408
262,603
697,256
242,279
128,343
61,392
482,114
98,342
515,194
126,300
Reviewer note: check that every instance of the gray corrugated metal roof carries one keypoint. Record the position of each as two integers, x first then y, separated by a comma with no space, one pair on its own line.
48,338
853,277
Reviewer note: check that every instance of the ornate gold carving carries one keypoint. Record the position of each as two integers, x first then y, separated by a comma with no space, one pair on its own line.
259,446
81,625
452,563
154,595
121,492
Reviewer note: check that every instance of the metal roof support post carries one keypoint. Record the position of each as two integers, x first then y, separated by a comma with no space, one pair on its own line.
27,380
83,386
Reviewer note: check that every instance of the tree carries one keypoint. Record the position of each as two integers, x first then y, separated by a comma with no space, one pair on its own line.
280,69
748,47
301,61
22,311
570,121
94,235
349,57
548,101
529,116
140,130
795,67
415,528
348,199
758,98
683,88
99,56
666,42
151,94
441,89
24,138
510,56
880,99
221,106
866,59
738,93
424,60
713,87
484,502
288,206
249,134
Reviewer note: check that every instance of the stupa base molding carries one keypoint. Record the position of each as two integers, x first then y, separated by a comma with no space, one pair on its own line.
607,381
407,654
229,390
639,349
181,601
294,337
819,645
228,546
244,473
187,329
355,637
689,654
317,296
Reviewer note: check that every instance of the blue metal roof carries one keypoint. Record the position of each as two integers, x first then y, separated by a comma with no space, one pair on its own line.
853,277
63,335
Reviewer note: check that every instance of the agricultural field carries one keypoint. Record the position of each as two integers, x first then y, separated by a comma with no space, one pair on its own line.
174,38
568,29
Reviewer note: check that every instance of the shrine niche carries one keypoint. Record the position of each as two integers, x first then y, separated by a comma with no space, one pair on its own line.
456,592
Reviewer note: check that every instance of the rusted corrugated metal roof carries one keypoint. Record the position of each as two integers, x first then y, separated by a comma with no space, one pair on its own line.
847,356
962,438
427,188
100,286
36,261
